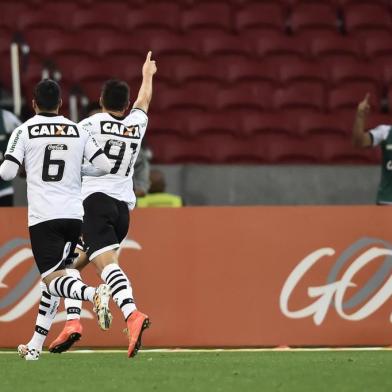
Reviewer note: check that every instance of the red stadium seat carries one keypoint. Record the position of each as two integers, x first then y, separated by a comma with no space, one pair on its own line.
378,46
365,17
190,96
314,17
349,95
71,44
177,125
278,45
326,124
102,16
119,44
268,123
267,16
191,70
328,46
301,71
342,151
169,44
245,69
206,15
158,16
217,123
173,149
291,150
219,43
354,71
300,95
245,96
40,20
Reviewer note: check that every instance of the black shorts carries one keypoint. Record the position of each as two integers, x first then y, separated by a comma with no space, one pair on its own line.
52,242
105,223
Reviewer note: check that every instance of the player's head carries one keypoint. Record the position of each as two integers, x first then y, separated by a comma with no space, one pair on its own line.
115,96
47,96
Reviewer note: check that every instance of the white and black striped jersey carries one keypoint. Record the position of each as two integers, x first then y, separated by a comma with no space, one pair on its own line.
52,149
121,139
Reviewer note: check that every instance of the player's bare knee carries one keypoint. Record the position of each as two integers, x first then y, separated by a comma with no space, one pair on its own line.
101,261
53,275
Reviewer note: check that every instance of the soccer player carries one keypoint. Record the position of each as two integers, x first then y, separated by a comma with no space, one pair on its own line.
52,149
8,122
379,136
107,201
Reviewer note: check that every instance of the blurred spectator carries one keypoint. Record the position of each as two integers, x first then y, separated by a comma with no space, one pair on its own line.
157,197
8,122
141,175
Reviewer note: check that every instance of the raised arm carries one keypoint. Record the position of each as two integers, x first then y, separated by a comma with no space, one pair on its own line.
145,92
361,138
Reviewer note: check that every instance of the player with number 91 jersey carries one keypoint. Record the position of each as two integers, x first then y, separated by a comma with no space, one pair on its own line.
120,138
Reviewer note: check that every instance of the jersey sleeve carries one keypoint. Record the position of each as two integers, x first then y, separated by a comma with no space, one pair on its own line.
16,146
380,134
91,146
138,117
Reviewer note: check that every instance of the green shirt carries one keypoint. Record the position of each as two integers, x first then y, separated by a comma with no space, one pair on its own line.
159,200
382,136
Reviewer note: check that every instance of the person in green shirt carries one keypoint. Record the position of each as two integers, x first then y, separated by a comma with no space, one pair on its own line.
157,197
378,136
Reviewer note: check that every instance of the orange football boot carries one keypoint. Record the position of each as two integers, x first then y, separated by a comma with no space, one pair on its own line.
137,322
70,334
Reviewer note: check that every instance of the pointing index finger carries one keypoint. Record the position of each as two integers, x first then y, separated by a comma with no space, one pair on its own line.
148,58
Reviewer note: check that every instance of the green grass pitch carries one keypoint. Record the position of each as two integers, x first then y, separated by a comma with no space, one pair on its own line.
226,371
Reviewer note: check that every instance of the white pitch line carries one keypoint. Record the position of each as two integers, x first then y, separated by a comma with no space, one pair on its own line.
184,350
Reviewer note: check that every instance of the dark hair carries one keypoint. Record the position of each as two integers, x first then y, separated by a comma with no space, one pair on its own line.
47,94
115,95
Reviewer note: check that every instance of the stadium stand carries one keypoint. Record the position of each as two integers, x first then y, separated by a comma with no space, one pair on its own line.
230,72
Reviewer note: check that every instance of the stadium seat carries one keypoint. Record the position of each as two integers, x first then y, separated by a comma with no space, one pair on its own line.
349,95
269,123
109,45
212,16
337,150
170,44
246,96
220,43
94,71
300,95
328,46
354,71
300,70
278,45
191,70
365,17
291,150
326,124
172,122
216,123
102,16
158,16
171,149
190,96
266,16
70,43
378,46
39,19
245,69
314,17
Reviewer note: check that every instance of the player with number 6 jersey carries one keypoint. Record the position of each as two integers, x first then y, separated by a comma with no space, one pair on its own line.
52,149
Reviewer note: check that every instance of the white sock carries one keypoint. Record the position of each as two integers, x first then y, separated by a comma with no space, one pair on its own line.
120,287
69,287
46,313
73,306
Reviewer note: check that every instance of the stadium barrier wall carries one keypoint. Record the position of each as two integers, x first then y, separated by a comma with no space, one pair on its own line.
230,276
